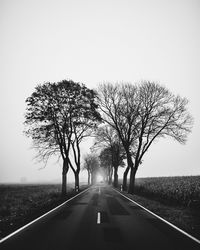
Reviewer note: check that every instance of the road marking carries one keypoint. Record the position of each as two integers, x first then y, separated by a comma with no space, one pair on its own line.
160,218
42,216
98,218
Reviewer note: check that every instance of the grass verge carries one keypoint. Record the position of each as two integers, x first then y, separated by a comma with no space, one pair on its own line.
187,219
20,204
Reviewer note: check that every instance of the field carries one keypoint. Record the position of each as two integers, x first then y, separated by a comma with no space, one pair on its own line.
177,199
183,190
19,204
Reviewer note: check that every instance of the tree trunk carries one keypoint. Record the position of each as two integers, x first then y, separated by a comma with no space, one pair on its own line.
130,166
88,177
110,175
64,183
115,184
124,184
132,181
92,178
76,175
64,177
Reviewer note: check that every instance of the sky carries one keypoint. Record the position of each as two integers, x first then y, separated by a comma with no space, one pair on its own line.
92,41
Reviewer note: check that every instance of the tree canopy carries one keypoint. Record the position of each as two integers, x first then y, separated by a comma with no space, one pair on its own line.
140,114
57,116
60,115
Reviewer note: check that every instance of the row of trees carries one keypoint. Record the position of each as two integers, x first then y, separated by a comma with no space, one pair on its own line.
58,117
125,119
111,154
91,165
140,114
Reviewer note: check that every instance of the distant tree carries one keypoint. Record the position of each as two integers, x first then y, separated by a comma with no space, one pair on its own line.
140,114
107,138
117,160
91,164
106,164
54,111
87,166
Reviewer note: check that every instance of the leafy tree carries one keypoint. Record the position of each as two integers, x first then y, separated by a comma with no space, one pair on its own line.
140,114
54,111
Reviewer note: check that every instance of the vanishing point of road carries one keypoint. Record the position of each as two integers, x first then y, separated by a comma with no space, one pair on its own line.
99,218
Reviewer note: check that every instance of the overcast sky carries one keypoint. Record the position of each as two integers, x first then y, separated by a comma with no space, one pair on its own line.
93,41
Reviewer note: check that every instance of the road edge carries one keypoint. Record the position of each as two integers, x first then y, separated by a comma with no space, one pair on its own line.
40,217
160,218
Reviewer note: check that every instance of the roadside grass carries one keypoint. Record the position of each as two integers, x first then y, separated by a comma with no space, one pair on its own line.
183,190
176,199
20,204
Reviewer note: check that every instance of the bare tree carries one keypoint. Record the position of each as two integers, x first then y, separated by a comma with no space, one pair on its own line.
106,164
54,111
91,164
117,103
49,110
140,114
107,138
87,119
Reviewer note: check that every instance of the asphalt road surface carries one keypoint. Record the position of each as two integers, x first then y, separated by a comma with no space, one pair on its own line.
100,218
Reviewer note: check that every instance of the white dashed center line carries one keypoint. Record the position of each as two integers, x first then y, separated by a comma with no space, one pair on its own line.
98,218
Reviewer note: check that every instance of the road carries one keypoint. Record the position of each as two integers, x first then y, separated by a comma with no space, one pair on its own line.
99,218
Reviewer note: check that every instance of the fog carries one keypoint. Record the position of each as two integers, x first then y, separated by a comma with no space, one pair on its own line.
90,42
